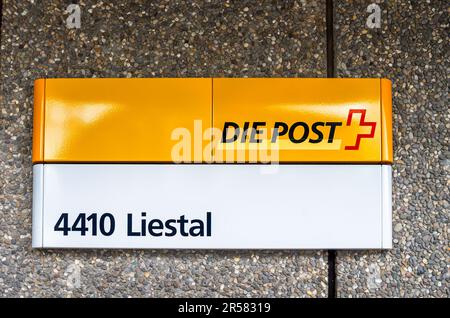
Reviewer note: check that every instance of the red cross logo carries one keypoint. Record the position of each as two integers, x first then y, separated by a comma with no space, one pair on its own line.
362,122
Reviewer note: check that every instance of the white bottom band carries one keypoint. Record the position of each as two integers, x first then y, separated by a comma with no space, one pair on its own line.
251,206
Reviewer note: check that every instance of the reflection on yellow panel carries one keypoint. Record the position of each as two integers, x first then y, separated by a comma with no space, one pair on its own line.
121,120
298,120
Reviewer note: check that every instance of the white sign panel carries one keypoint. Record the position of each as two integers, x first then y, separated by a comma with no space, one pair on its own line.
212,206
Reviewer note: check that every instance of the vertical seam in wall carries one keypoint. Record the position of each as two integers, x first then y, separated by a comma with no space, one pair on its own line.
331,72
331,69
1,18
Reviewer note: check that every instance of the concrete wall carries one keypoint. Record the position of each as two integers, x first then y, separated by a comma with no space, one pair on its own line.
221,38
411,49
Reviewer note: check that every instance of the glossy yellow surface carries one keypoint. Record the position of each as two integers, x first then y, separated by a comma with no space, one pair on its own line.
123,120
38,121
309,101
136,120
387,152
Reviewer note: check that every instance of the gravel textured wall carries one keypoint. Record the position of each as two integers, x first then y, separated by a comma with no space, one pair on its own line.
145,39
242,38
411,49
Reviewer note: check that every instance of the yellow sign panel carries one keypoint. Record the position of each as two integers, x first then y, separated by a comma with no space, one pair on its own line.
304,120
219,120
116,120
